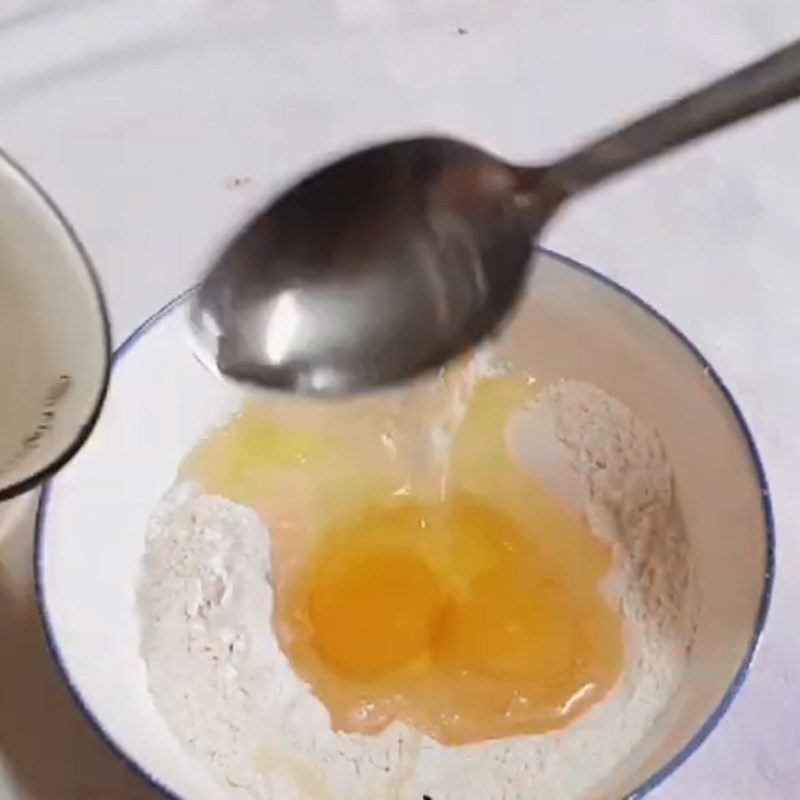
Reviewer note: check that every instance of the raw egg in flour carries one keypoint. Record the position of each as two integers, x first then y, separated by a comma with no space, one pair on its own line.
465,605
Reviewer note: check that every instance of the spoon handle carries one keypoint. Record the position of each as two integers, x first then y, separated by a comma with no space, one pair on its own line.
757,87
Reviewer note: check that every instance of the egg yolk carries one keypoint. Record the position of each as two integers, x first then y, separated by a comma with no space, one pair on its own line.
374,614
472,616
505,627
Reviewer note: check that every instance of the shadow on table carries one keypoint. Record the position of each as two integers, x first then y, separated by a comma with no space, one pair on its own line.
50,749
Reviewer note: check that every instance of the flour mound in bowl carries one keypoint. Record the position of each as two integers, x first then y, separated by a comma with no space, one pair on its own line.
220,679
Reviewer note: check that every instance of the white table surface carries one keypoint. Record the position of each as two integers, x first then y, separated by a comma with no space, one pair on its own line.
157,124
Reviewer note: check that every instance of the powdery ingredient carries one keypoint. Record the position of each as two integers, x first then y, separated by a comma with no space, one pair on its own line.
219,678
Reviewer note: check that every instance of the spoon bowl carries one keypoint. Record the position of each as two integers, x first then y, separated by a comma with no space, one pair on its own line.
376,268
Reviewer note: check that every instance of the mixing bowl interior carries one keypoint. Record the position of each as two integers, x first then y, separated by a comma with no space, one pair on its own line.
573,324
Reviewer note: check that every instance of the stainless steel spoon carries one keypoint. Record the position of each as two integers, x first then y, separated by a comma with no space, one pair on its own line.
399,257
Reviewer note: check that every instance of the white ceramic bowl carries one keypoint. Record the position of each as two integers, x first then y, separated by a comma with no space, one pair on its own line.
55,347
91,526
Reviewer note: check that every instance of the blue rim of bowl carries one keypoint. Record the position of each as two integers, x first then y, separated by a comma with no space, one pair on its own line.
657,777
53,466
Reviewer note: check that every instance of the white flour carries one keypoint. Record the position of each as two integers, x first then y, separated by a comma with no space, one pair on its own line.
220,680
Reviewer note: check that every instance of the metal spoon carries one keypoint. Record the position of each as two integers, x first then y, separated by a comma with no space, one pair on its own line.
399,257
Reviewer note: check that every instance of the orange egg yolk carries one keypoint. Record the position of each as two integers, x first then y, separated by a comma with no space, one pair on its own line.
375,614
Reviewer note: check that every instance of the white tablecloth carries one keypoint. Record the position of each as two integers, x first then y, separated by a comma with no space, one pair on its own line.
156,124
